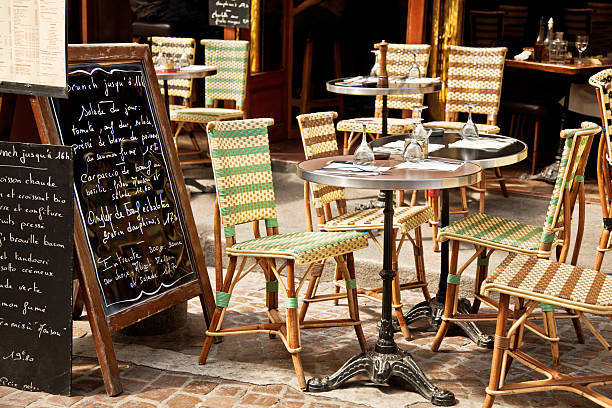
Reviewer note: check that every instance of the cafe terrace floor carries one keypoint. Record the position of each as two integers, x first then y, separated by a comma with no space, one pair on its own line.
255,371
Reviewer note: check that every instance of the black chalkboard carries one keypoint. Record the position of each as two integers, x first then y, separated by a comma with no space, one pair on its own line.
229,13
36,259
126,198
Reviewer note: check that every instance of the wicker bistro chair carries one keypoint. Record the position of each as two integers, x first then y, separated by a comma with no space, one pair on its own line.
488,233
602,81
175,47
532,281
399,61
319,139
231,59
241,165
474,76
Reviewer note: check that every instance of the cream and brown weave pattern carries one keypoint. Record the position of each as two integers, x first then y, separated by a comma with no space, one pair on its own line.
175,47
229,83
405,219
374,125
556,283
319,140
303,247
474,76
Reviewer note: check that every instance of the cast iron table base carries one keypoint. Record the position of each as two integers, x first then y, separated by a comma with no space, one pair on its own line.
385,360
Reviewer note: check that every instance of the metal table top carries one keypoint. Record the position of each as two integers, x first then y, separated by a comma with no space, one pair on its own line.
190,72
402,88
394,179
510,154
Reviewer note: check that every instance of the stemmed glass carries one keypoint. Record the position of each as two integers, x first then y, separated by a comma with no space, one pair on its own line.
469,130
414,71
364,156
582,41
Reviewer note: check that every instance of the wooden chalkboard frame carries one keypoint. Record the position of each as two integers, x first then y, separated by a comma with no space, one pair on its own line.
102,326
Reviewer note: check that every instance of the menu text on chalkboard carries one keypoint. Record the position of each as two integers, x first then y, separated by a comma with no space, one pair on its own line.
126,197
36,262
229,13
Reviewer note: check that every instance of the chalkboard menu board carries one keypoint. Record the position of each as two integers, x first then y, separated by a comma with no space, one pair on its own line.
126,198
36,258
229,13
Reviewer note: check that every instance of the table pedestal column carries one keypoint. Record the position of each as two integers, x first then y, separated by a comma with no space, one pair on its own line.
385,360
432,311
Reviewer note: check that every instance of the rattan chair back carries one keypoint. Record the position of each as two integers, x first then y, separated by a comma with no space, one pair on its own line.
399,62
570,178
175,47
319,140
241,165
602,81
474,76
231,58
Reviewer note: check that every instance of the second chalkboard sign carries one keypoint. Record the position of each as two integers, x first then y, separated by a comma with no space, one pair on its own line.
229,13
136,236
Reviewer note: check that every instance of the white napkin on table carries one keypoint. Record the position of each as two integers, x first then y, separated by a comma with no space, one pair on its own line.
431,165
481,144
350,168
397,147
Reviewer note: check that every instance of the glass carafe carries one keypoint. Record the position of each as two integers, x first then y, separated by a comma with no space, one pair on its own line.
558,49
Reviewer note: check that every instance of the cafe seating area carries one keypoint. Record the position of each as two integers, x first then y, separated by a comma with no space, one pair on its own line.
418,221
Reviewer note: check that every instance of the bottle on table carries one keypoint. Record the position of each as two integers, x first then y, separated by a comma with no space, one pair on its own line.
547,41
558,49
539,43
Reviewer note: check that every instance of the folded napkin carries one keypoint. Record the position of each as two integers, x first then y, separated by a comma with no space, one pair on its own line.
523,56
431,165
424,80
481,144
397,147
348,168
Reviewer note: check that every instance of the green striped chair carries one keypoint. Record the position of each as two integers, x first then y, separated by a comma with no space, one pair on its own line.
231,59
488,234
241,165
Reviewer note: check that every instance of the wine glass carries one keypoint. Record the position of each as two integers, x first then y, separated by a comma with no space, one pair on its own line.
414,152
414,71
582,41
363,156
469,130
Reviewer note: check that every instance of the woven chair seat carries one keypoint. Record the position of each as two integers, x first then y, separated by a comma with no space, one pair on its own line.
303,247
205,115
491,129
551,282
394,126
495,232
405,219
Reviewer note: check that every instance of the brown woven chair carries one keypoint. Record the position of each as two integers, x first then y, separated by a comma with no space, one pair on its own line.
241,165
488,234
228,84
399,61
474,76
319,139
486,28
531,281
174,47
602,81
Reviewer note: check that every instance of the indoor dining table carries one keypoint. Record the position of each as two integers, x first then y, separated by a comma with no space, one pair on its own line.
444,147
386,360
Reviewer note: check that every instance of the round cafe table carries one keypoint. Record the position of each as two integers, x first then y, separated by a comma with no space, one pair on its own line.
433,310
386,359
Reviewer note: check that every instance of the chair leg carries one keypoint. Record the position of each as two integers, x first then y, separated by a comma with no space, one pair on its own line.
577,327
464,205
396,297
293,328
482,270
498,351
337,277
419,261
414,198
452,293
604,238
434,201
502,182
536,137
311,290
271,293
482,193
351,296
550,326
217,318
347,139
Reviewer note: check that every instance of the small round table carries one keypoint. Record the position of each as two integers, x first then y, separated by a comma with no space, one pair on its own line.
433,310
386,359
190,72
